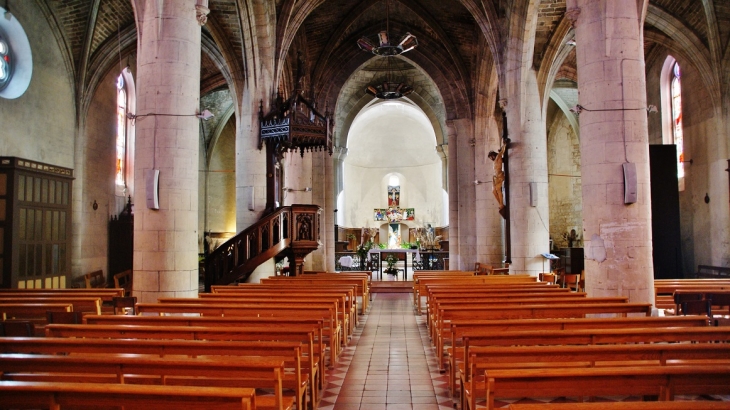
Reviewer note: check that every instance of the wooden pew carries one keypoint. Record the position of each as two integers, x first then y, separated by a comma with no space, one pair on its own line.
327,313
483,359
352,290
662,381
625,405
345,306
315,280
350,301
314,348
297,380
349,290
303,333
664,289
593,336
428,286
439,338
529,299
32,312
84,304
255,372
446,314
422,287
459,328
433,291
33,395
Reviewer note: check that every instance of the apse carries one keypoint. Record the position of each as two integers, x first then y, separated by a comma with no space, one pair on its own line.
391,139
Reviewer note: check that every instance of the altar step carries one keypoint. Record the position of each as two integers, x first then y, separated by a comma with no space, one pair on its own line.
391,286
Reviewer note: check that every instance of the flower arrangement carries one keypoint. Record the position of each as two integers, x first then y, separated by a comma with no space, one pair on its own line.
391,261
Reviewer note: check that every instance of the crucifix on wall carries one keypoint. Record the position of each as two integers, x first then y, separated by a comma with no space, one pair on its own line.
393,196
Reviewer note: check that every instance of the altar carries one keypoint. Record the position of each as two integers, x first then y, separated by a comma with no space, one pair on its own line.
380,252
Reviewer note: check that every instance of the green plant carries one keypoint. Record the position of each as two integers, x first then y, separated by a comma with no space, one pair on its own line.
381,245
391,260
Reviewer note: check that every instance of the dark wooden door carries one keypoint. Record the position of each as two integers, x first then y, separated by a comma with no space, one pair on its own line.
665,212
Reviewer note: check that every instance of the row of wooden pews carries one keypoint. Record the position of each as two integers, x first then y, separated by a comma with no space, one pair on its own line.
525,338
273,337
38,306
711,295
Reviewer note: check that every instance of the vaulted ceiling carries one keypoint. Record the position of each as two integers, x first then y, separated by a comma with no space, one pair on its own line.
451,35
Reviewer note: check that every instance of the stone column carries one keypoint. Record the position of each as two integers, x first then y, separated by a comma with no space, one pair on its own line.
464,147
330,204
613,132
338,156
489,223
454,257
168,97
528,193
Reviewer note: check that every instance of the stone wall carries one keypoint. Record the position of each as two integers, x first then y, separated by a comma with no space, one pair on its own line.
566,205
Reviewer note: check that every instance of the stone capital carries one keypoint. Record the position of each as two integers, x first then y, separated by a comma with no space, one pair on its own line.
201,12
340,153
502,104
572,15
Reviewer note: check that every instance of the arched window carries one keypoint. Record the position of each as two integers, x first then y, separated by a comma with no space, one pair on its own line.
121,143
677,133
6,62
124,140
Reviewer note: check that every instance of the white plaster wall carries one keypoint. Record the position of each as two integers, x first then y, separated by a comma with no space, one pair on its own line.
392,139
367,190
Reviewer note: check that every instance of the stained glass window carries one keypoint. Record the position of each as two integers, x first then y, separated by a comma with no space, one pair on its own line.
677,132
6,62
121,143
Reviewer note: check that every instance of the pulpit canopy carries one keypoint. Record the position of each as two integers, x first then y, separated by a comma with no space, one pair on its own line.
295,124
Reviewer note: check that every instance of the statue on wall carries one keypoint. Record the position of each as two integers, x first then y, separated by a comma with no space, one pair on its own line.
498,178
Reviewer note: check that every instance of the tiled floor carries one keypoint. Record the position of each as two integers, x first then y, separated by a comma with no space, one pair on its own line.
390,364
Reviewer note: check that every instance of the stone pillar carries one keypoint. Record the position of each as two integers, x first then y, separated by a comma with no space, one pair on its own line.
489,223
613,132
454,257
443,151
464,147
338,156
330,204
168,97
528,192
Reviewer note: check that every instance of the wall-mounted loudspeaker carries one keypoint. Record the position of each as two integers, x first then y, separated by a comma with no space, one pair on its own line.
533,193
152,188
630,184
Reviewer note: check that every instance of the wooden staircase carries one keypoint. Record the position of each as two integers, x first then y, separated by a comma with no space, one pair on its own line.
292,231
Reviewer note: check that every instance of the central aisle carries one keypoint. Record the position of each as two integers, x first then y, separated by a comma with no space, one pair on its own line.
388,364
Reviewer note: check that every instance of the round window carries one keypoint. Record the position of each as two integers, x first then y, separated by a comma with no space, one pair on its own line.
6,63
16,61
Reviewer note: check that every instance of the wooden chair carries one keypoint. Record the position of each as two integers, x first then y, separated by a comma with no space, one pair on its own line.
124,280
572,281
17,328
720,299
68,318
550,278
697,307
121,304
679,298
95,279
